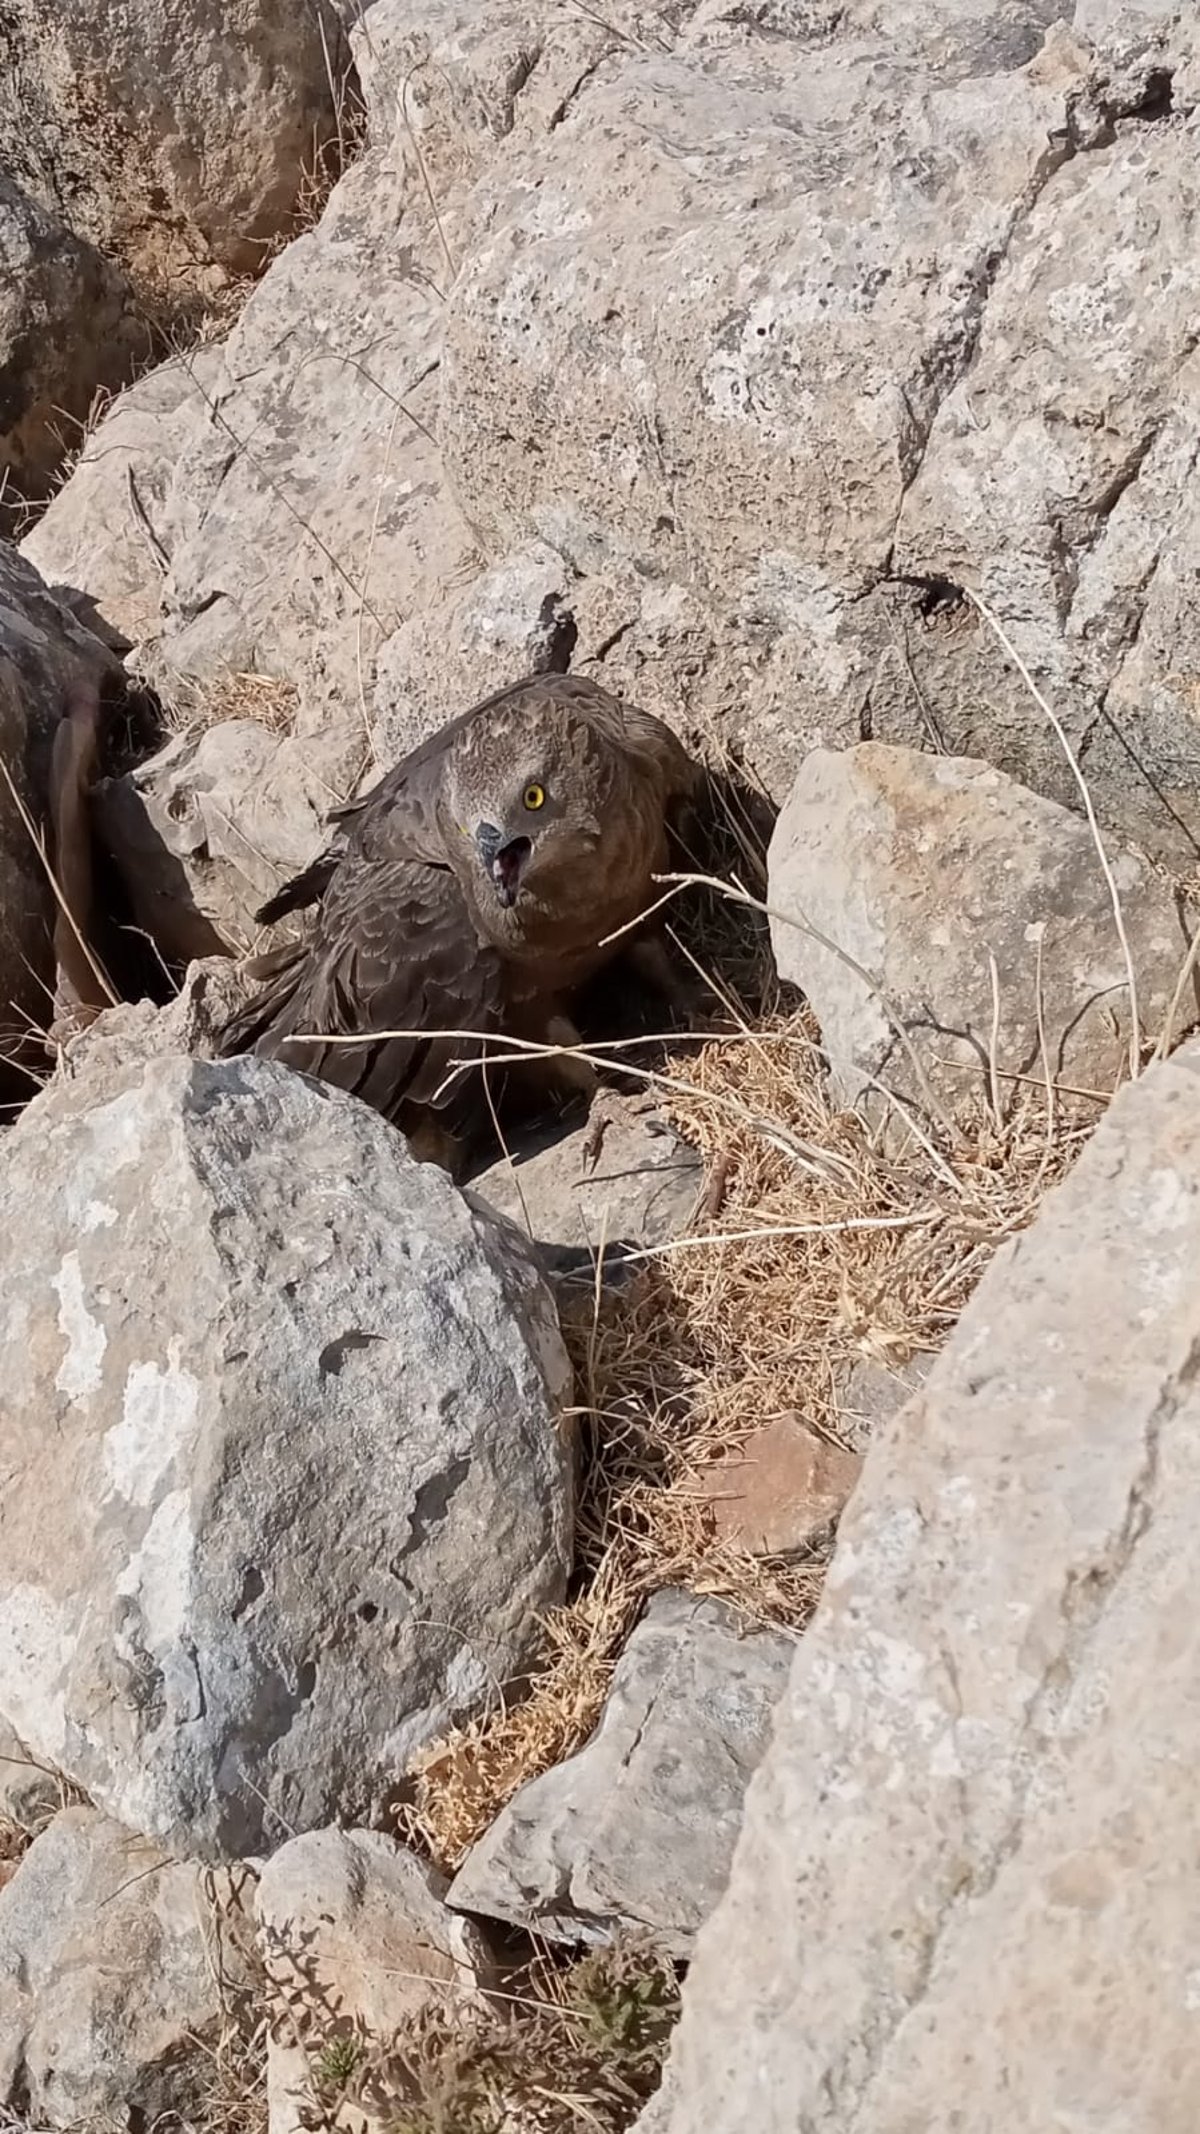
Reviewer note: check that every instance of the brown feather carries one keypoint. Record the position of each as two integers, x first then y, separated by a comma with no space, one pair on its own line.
411,933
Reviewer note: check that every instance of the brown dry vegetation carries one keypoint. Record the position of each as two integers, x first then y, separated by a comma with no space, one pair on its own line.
824,1249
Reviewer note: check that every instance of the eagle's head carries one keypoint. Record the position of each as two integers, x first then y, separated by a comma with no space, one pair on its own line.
532,795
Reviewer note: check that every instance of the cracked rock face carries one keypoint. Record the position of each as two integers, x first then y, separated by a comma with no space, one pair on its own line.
744,339
289,1411
963,1894
637,1830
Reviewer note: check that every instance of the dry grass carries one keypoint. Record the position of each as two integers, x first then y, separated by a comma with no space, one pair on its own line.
566,2045
815,1247
191,707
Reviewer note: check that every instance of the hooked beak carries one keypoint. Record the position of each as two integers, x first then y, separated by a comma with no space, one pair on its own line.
504,858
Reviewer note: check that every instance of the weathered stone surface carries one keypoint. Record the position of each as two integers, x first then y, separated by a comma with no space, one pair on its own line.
66,328
307,516
137,1031
777,414
176,135
513,621
89,540
109,1994
209,827
355,1941
307,1478
978,1805
638,1829
43,654
780,1491
351,1921
927,872
870,1393
30,1793
620,1183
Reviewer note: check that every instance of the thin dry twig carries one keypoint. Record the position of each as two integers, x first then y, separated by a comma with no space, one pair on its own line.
1004,640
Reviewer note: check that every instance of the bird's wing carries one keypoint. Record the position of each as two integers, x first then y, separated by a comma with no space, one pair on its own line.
395,819
393,951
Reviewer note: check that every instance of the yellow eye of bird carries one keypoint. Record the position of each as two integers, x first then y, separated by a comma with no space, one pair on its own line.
534,796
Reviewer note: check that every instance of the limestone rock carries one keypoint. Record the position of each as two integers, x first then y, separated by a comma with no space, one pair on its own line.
307,516
927,872
109,1993
620,1183
355,1941
870,1393
638,1828
175,136
138,1030
43,654
90,542
512,621
978,1804
206,829
811,428
66,329
349,1920
780,1491
294,1418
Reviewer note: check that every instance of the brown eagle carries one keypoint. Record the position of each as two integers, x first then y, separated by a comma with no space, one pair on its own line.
472,889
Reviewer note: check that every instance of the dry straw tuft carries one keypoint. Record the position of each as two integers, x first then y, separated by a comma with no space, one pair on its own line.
813,1248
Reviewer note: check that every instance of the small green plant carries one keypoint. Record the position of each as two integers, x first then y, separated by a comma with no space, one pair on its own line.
627,1998
337,2061
581,2047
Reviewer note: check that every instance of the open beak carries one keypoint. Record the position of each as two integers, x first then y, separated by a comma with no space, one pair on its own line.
504,859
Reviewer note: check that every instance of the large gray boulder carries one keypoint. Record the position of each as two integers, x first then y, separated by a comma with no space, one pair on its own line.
805,320
964,1893
97,539
293,1420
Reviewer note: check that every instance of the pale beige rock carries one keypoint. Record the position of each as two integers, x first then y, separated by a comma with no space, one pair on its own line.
780,1491
637,1829
619,1183
174,133
307,516
292,1411
67,330
90,540
210,826
787,423
352,1924
512,621
355,1941
871,1392
928,872
110,1958
136,1031
978,1805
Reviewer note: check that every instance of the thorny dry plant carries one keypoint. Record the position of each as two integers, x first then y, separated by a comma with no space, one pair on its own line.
564,2044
